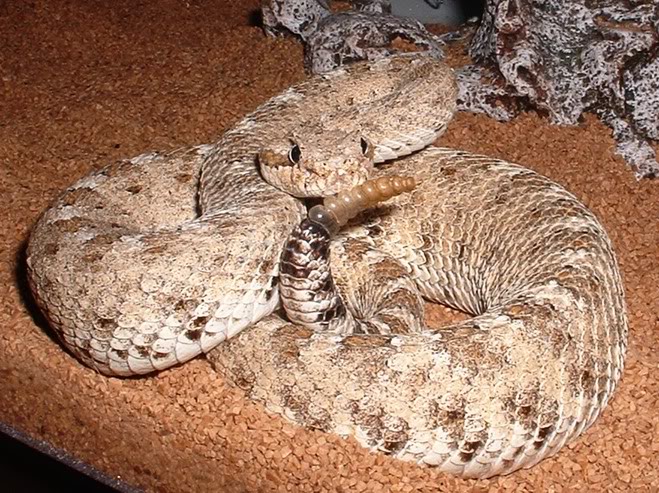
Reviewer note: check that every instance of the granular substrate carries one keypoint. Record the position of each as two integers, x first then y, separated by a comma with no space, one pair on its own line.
85,83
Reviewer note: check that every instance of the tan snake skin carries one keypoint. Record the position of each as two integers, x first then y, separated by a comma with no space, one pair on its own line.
134,278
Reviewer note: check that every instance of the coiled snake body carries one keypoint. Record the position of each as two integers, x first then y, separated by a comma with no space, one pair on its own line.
135,275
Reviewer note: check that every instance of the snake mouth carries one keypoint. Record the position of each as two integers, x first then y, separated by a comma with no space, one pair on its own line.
317,185
319,181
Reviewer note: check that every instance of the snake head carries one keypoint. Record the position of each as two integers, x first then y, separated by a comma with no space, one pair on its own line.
317,164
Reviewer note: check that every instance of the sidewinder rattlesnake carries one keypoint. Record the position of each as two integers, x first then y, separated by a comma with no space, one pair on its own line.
149,262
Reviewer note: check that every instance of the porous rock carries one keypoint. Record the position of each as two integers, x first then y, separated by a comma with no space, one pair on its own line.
562,57
568,57
366,31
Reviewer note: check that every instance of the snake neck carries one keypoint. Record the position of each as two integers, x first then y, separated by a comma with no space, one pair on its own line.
306,286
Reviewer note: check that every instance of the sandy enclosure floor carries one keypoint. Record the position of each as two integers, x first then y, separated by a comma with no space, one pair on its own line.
84,83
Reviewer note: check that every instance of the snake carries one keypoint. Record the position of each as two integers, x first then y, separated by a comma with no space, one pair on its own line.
149,262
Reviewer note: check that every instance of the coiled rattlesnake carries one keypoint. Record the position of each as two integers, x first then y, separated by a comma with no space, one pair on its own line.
135,275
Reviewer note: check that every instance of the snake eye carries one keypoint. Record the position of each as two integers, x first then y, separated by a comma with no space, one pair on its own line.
294,154
364,143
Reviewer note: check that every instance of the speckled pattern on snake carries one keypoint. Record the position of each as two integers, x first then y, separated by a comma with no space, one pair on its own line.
151,261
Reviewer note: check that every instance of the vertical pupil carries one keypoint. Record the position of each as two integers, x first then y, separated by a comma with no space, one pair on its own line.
294,154
364,145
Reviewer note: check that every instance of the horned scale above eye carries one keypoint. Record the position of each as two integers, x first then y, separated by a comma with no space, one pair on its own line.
339,209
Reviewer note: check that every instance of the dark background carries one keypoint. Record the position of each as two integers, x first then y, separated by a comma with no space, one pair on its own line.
24,469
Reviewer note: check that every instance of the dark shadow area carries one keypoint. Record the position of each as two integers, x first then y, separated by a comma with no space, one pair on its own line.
255,18
472,8
464,8
24,469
